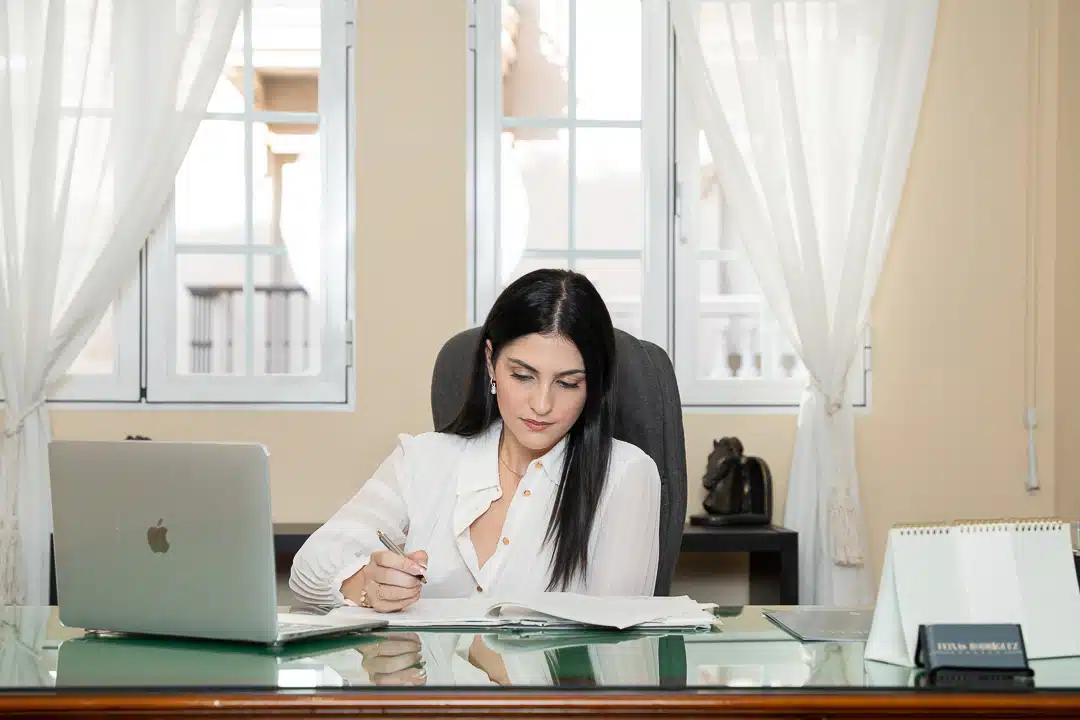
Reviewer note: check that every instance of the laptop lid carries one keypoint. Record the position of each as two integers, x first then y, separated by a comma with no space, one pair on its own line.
166,538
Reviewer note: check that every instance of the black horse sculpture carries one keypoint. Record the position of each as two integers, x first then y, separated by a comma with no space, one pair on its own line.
739,487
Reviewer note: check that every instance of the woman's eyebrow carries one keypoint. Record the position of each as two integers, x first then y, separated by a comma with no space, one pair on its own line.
530,368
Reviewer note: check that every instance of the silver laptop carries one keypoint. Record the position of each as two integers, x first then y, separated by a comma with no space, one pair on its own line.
165,538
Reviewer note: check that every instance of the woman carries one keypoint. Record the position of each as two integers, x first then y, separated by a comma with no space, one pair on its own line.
525,491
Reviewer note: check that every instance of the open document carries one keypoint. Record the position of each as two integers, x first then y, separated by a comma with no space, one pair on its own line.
547,610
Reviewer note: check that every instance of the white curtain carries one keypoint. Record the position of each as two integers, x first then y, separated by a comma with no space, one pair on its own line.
99,101
810,108
23,632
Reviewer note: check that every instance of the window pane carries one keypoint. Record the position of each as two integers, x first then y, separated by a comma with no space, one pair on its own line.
608,59
782,360
528,264
620,284
743,345
534,197
210,187
99,355
287,329
299,213
286,34
288,182
610,202
728,276
713,232
210,314
728,345
286,56
737,335
535,43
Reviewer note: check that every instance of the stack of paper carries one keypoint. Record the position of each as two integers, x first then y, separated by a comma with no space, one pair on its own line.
547,610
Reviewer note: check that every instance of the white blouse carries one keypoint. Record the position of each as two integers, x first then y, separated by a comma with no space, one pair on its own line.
433,486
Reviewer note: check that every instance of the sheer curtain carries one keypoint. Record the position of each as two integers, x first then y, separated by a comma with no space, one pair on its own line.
99,101
22,641
810,108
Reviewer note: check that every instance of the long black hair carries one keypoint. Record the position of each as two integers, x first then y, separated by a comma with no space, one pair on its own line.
556,303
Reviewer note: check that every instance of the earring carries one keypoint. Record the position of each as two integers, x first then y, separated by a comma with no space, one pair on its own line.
492,387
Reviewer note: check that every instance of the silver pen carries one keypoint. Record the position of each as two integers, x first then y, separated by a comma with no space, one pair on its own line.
392,547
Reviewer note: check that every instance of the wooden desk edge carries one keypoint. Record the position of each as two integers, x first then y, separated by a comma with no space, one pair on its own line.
771,703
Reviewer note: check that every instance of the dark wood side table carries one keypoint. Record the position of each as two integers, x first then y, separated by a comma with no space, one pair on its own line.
774,557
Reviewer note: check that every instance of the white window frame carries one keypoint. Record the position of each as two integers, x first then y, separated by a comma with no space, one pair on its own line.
333,384
669,294
486,123
122,385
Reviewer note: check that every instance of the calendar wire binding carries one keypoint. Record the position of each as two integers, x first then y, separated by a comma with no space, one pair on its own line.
1028,524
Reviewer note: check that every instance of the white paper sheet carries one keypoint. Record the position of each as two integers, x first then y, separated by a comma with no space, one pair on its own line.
546,610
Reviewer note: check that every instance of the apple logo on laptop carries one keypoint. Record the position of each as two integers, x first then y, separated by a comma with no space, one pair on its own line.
155,537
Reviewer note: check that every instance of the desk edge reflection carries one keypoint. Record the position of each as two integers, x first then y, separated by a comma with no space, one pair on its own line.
771,703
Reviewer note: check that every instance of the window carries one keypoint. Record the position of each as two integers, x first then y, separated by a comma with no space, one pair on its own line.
243,293
585,155
566,173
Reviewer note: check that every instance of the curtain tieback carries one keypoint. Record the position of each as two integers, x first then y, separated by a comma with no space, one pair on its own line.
833,401
845,536
14,428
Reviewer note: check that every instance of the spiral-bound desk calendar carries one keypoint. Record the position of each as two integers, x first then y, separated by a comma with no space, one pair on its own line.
983,571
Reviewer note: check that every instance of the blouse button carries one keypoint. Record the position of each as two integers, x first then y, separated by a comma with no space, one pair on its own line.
479,589
506,541
527,493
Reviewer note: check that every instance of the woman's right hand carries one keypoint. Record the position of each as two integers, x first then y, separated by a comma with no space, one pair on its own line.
394,660
390,580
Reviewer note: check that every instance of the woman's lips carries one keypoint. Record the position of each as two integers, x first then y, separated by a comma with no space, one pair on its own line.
536,426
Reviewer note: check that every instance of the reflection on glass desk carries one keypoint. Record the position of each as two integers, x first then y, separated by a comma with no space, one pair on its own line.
746,652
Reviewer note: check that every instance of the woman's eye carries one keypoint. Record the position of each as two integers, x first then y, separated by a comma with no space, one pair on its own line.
517,376
569,385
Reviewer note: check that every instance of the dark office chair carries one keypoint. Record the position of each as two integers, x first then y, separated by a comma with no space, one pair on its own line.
648,413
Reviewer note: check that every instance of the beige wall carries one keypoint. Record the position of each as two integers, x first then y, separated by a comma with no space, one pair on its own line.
1067,267
944,436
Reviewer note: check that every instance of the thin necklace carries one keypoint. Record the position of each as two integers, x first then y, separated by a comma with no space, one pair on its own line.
499,452
508,467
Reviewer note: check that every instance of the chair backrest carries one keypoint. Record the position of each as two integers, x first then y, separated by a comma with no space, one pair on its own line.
648,413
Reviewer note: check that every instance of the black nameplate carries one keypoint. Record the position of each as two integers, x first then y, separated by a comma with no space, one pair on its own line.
972,650
977,680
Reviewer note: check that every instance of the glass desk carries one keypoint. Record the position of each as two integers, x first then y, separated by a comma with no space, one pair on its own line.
747,666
